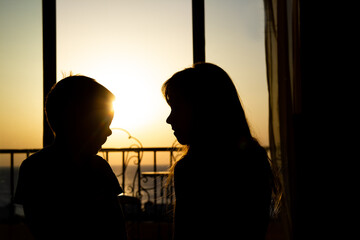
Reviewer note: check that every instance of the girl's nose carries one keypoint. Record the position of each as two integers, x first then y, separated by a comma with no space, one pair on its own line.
169,118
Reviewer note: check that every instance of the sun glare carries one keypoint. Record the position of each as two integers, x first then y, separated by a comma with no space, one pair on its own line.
136,103
129,111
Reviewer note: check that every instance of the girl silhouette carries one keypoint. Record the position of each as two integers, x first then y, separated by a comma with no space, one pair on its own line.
224,184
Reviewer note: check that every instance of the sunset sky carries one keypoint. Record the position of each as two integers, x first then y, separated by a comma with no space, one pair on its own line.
131,47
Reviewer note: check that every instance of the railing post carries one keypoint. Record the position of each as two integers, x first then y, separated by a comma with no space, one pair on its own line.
107,156
171,156
169,183
123,170
155,183
139,175
12,187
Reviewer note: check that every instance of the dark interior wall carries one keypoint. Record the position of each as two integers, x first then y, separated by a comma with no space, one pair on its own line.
323,148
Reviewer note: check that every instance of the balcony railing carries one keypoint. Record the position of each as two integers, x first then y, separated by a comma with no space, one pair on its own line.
142,173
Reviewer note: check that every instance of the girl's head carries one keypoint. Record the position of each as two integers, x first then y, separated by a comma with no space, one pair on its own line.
204,105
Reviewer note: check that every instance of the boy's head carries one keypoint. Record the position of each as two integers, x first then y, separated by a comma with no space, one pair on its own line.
79,110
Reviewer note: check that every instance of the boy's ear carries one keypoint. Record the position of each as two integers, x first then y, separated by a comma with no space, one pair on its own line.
66,125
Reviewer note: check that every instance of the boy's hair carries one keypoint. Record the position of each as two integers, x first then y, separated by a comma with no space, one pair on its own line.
74,94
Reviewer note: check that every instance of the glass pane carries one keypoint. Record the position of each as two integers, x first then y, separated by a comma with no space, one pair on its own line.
235,41
131,47
21,74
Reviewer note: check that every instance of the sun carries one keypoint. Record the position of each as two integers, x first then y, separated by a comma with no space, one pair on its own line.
132,109
136,98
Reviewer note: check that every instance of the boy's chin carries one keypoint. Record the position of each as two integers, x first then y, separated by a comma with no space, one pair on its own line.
95,149
91,150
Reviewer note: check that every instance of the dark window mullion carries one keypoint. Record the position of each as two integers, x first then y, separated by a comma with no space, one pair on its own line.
198,18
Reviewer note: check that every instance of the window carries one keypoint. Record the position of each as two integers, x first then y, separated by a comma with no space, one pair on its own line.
234,32
131,47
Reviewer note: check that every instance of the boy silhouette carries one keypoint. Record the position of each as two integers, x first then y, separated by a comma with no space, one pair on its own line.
67,191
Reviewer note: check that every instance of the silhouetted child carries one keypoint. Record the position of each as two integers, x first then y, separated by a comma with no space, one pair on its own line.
67,191
224,185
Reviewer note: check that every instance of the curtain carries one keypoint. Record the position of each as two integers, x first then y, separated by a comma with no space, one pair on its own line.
282,45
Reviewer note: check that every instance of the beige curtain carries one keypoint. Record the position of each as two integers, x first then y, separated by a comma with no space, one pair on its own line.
282,41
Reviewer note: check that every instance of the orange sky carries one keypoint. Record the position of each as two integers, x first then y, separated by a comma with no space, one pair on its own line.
131,47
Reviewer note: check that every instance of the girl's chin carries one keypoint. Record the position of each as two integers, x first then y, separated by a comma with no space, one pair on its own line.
181,139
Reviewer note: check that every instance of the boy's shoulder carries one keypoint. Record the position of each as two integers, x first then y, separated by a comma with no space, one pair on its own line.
101,166
99,162
37,158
